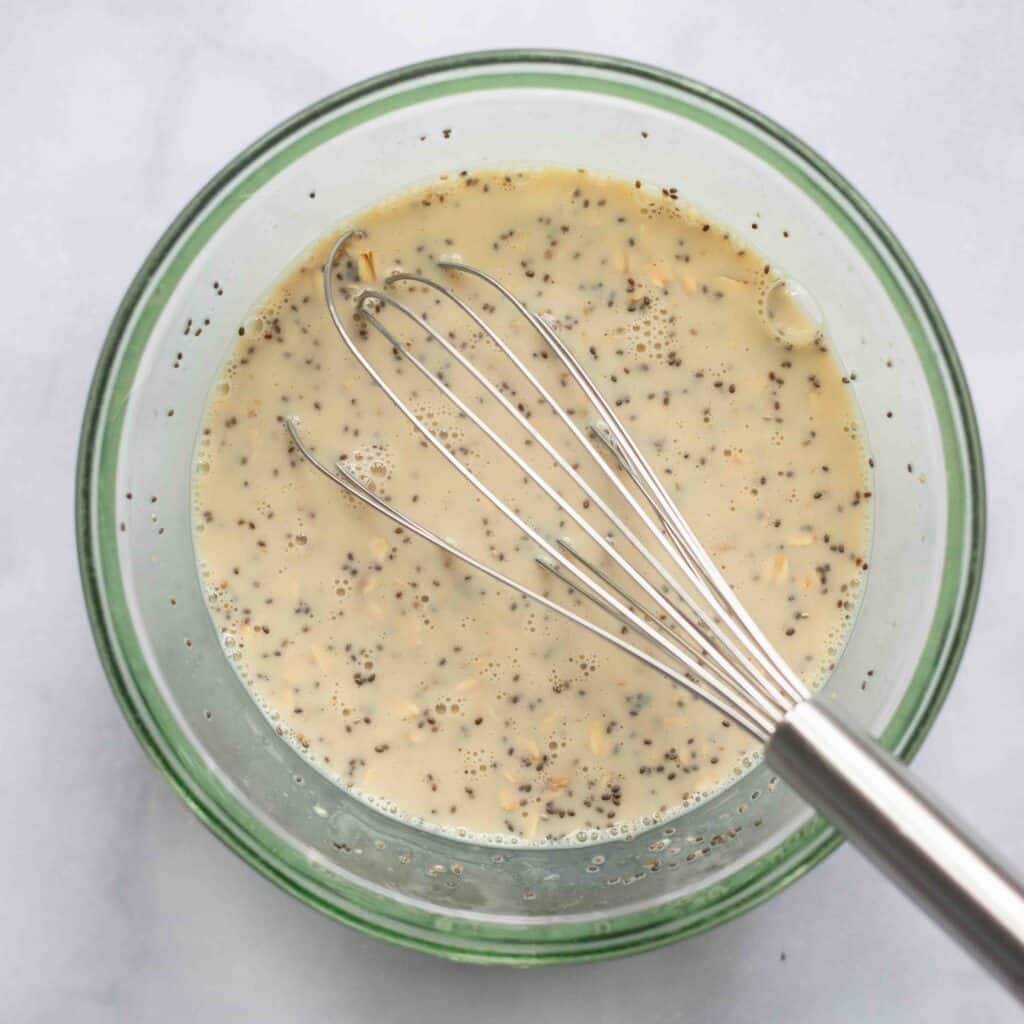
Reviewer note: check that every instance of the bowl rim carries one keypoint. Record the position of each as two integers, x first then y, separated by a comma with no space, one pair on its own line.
391,919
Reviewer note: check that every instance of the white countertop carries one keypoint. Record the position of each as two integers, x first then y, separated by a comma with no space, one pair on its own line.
117,904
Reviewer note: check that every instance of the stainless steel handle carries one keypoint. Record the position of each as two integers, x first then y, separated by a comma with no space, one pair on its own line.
883,811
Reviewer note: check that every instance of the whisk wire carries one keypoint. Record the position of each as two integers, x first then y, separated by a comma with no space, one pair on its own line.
755,675
723,665
686,549
622,610
370,298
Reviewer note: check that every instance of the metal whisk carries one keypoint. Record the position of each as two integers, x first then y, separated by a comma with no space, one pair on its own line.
697,635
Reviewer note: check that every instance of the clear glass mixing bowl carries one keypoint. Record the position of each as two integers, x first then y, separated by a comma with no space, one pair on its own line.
177,321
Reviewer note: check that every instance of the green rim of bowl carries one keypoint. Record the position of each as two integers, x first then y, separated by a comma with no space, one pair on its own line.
154,722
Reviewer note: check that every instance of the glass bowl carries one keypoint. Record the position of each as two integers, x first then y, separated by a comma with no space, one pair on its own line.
503,902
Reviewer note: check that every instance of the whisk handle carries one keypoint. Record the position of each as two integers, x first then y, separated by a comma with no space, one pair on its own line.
886,813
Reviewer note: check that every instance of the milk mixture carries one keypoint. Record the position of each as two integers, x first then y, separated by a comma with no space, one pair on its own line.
429,689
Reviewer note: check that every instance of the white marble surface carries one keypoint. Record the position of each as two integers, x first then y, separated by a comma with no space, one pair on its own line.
117,904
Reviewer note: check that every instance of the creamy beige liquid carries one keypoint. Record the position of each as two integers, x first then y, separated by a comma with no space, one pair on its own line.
431,690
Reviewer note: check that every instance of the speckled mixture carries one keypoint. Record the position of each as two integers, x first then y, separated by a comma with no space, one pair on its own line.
430,690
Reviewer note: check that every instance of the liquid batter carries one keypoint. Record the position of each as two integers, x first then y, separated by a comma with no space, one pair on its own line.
430,690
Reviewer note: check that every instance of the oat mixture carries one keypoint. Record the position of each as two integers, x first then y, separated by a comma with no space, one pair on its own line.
434,692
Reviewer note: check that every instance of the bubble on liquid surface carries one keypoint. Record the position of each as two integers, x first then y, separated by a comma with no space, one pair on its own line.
790,313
